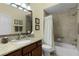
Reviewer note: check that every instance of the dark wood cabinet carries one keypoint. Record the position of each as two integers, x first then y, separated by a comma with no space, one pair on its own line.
15,53
37,51
34,49
27,50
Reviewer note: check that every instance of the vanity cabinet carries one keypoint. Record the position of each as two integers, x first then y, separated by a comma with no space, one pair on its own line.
15,53
37,51
34,49
28,50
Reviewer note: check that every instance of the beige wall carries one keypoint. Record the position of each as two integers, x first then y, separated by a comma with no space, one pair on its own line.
65,25
37,9
14,13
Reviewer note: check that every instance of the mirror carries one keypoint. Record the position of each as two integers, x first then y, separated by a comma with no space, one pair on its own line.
14,19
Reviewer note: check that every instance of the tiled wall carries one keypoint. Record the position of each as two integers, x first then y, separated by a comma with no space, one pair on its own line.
65,25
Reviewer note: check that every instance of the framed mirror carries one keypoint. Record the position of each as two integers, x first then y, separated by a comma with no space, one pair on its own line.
14,20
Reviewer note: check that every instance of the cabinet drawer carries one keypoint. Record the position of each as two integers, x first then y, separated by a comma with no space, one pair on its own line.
29,48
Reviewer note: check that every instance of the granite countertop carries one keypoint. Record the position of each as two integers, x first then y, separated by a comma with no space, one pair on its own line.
11,46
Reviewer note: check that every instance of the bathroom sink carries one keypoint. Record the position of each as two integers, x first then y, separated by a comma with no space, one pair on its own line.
22,41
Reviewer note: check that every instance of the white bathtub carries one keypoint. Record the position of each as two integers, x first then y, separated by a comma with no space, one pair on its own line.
63,49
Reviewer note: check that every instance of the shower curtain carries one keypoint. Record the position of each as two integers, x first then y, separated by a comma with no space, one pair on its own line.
48,31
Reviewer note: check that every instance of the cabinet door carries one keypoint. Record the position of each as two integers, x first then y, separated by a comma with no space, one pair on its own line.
37,51
16,53
27,50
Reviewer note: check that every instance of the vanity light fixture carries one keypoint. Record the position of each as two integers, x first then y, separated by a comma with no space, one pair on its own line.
22,6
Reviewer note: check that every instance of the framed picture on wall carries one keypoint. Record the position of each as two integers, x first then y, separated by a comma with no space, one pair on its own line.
37,27
37,20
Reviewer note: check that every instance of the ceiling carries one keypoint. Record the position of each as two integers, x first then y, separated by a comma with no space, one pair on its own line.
62,7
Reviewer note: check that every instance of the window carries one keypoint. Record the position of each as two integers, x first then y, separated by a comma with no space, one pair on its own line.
18,25
18,28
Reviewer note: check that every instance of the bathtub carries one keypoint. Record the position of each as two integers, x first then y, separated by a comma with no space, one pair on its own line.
64,49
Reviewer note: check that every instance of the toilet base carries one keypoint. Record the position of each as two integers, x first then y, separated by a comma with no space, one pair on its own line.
49,53
47,50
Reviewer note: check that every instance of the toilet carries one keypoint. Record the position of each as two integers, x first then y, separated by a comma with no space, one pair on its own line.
47,49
